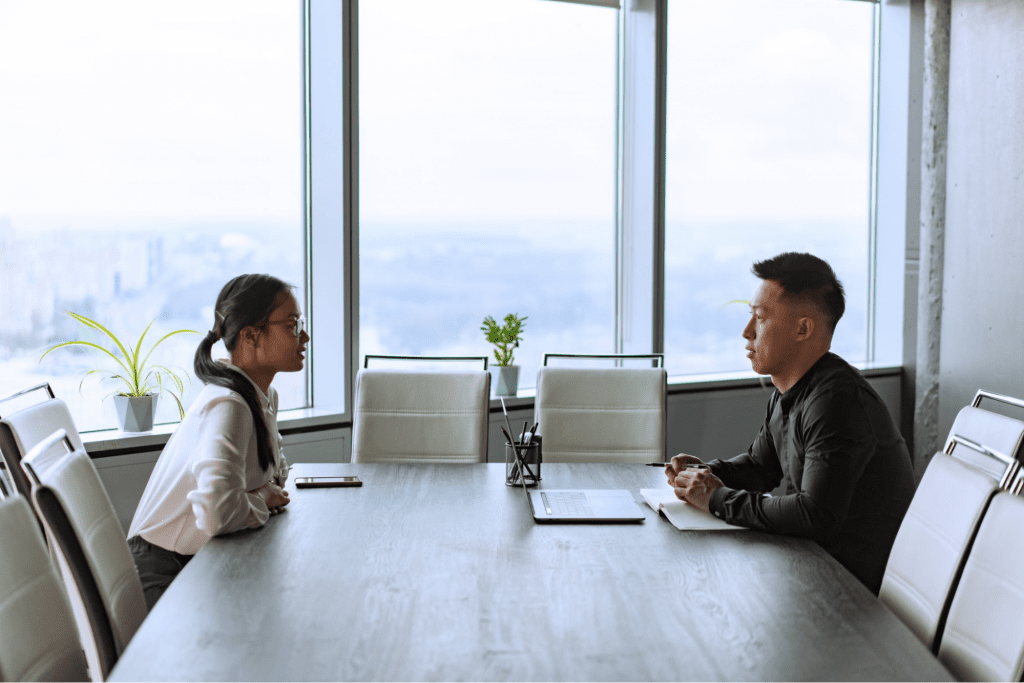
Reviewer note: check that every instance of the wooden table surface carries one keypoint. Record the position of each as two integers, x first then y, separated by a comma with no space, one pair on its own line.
438,572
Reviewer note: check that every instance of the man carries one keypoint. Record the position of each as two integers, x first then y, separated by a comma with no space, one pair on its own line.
850,480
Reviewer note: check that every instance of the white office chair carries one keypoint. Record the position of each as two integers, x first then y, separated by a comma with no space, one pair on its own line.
90,546
38,639
23,429
984,635
931,546
421,417
930,550
998,432
602,415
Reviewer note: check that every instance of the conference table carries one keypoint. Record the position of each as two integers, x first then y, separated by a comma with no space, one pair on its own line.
438,572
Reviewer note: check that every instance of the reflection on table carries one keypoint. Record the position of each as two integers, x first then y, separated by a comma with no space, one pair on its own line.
439,572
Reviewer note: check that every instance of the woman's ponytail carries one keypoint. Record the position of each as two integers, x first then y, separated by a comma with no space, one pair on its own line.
246,300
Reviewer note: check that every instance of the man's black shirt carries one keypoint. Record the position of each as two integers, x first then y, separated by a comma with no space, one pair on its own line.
850,480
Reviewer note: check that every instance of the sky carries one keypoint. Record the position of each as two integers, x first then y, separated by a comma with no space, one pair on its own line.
153,116
140,111
124,113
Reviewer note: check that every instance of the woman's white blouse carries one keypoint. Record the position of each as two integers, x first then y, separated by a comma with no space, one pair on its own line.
200,485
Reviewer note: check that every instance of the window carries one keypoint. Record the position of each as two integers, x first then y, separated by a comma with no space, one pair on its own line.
146,156
768,150
487,175
148,153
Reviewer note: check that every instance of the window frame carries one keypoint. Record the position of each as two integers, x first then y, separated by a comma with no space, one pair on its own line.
331,134
331,211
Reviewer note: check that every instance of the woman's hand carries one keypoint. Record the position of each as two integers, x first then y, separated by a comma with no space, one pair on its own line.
274,496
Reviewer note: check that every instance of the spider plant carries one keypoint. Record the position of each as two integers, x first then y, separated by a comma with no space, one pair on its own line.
139,377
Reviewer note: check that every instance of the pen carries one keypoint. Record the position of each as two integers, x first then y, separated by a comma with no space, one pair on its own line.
690,466
529,442
519,465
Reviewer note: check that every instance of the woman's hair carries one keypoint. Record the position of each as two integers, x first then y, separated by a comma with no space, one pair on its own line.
246,300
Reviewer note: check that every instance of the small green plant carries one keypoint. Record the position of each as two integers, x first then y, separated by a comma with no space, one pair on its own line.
505,337
139,378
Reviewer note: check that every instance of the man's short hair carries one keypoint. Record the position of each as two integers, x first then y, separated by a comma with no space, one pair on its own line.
809,278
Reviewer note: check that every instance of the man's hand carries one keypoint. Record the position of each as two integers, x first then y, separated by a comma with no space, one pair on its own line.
274,496
695,486
678,465
692,480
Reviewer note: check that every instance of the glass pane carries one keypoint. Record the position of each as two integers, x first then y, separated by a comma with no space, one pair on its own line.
769,106
487,186
149,152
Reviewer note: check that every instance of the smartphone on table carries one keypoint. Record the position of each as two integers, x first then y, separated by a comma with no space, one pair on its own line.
326,482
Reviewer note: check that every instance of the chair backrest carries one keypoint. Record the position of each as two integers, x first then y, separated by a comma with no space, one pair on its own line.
424,362
928,554
22,430
421,417
83,528
657,360
607,415
1001,433
984,636
38,639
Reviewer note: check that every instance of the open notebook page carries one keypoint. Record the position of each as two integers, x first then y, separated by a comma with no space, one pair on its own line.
681,514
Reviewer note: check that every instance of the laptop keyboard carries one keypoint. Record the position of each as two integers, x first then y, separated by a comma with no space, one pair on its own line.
568,503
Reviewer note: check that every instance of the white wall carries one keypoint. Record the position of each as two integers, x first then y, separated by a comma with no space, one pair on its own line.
982,342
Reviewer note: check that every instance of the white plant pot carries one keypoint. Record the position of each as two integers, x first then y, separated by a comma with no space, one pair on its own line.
135,413
506,379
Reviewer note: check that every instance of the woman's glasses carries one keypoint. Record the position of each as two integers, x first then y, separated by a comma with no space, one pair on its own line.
299,325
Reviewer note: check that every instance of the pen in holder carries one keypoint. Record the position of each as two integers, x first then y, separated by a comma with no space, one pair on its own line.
531,455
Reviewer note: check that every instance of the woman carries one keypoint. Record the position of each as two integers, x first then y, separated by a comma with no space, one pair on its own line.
222,470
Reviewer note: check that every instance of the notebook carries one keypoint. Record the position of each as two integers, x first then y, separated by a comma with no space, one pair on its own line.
572,506
681,514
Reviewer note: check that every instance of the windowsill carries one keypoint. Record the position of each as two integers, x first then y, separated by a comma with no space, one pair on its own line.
109,442
106,442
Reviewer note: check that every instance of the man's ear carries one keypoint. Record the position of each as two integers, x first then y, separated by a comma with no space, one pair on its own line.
805,327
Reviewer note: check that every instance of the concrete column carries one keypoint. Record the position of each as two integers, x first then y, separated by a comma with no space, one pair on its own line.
935,117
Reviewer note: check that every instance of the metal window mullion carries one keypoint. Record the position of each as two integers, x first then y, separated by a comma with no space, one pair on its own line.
640,228
351,89
660,135
329,201
307,194
872,264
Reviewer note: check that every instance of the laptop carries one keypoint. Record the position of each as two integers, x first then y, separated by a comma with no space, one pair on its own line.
576,506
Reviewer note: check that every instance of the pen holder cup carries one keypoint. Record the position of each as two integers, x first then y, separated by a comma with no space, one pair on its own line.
531,456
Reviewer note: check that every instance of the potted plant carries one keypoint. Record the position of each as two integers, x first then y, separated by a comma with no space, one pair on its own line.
143,383
505,338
